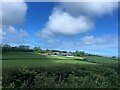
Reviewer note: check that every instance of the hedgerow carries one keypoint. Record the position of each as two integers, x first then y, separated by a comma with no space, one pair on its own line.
65,76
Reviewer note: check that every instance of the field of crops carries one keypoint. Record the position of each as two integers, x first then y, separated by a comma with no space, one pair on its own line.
25,59
31,59
34,70
101,59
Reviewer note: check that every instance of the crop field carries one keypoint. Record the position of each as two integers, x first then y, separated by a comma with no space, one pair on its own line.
25,59
32,59
101,59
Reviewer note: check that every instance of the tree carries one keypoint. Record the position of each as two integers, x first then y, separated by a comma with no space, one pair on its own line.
37,49
76,53
82,53
64,51
24,47
114,57
6,46
79,53
47,50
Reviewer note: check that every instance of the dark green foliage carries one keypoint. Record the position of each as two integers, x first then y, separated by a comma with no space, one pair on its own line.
43,80
64,76
38,49
79,53
21,48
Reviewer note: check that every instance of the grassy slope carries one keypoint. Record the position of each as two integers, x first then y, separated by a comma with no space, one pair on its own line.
25,59
30,59
101,59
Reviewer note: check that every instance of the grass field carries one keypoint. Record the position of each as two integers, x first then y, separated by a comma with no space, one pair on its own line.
31,59
101,59
25,59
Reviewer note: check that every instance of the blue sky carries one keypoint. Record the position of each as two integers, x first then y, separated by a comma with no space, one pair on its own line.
90,27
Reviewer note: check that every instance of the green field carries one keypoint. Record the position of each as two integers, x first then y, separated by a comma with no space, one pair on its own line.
101,59
31,59
34,70
25,59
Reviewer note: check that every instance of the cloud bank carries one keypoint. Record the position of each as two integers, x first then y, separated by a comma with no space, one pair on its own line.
99,40
13,12
19,33
62,23
91,9
13,35
75,18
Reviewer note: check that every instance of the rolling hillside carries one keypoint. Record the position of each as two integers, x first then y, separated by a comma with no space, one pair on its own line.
32,59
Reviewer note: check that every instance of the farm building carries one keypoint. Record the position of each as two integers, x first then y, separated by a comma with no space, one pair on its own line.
67,54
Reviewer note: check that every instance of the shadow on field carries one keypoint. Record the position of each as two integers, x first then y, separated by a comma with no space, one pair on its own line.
26,56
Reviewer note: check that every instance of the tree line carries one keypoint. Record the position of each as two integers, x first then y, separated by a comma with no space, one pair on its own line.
26,48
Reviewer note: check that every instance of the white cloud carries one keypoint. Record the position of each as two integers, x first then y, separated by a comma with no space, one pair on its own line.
13,12
11,30
15,36
62,23
71,18
44,33
92,9
88,40
103,40
22,33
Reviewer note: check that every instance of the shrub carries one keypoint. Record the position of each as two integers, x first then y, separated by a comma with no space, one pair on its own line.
64,76
44,81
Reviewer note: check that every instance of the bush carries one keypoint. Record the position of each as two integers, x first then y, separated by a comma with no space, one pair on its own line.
65,76
44,81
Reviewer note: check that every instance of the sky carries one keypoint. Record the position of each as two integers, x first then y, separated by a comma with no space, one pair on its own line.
85,26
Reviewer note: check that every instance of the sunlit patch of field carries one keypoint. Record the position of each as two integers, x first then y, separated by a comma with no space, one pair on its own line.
31,59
